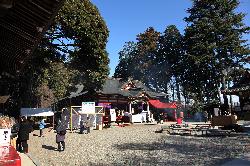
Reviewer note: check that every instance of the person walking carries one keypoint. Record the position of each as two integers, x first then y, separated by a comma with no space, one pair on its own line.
82,127
147,117
157,117
60,136
41,127
88,125
23,135
205,116
161,117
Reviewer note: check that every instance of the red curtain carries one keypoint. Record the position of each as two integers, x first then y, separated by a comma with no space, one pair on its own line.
159,104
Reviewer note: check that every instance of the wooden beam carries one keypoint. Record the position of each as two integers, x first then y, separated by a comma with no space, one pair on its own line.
17,31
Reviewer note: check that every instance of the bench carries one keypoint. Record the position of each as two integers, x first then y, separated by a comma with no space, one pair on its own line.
178,125
177,128
201,125
205,130
181,131
218,132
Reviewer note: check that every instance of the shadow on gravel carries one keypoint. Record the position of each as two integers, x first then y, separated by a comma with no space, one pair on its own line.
187,151
48,147
136,161
35,135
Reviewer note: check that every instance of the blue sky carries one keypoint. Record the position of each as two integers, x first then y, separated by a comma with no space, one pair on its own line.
127,18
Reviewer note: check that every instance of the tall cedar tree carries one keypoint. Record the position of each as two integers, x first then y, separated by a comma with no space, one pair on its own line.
137,60
145,67
125,67
154,59
213,42
169,58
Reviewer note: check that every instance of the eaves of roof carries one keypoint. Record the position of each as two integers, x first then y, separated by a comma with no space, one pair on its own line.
21,29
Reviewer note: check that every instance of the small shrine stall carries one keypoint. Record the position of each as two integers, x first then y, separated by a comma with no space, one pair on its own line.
168,110
87,109
39,113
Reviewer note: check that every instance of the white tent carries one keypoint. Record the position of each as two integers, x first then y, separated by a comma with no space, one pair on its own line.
36,112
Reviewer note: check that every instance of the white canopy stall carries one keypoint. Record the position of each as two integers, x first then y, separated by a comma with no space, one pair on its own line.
36,112
31,112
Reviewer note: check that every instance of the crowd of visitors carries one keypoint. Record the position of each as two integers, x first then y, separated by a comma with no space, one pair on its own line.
85,126
25,126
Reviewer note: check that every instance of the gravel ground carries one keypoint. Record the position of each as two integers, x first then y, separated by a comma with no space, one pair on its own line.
134,145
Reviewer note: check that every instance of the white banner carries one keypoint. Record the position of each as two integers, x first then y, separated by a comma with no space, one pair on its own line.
113,115
88,107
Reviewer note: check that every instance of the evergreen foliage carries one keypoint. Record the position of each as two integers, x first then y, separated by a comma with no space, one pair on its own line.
73,51
194,63
213,43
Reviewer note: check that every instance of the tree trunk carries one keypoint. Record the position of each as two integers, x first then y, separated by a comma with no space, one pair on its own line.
173,93
178,90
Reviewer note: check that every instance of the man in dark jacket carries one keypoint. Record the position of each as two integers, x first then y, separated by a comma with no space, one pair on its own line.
23,135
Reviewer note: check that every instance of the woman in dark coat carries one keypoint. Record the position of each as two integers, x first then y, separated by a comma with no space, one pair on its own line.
23,135
60,135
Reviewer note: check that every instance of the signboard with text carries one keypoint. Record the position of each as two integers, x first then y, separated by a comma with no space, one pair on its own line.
88,107
105,105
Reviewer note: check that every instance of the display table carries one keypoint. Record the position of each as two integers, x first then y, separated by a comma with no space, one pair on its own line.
139,118
9,156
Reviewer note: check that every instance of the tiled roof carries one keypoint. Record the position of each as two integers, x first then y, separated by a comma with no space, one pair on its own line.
116,86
